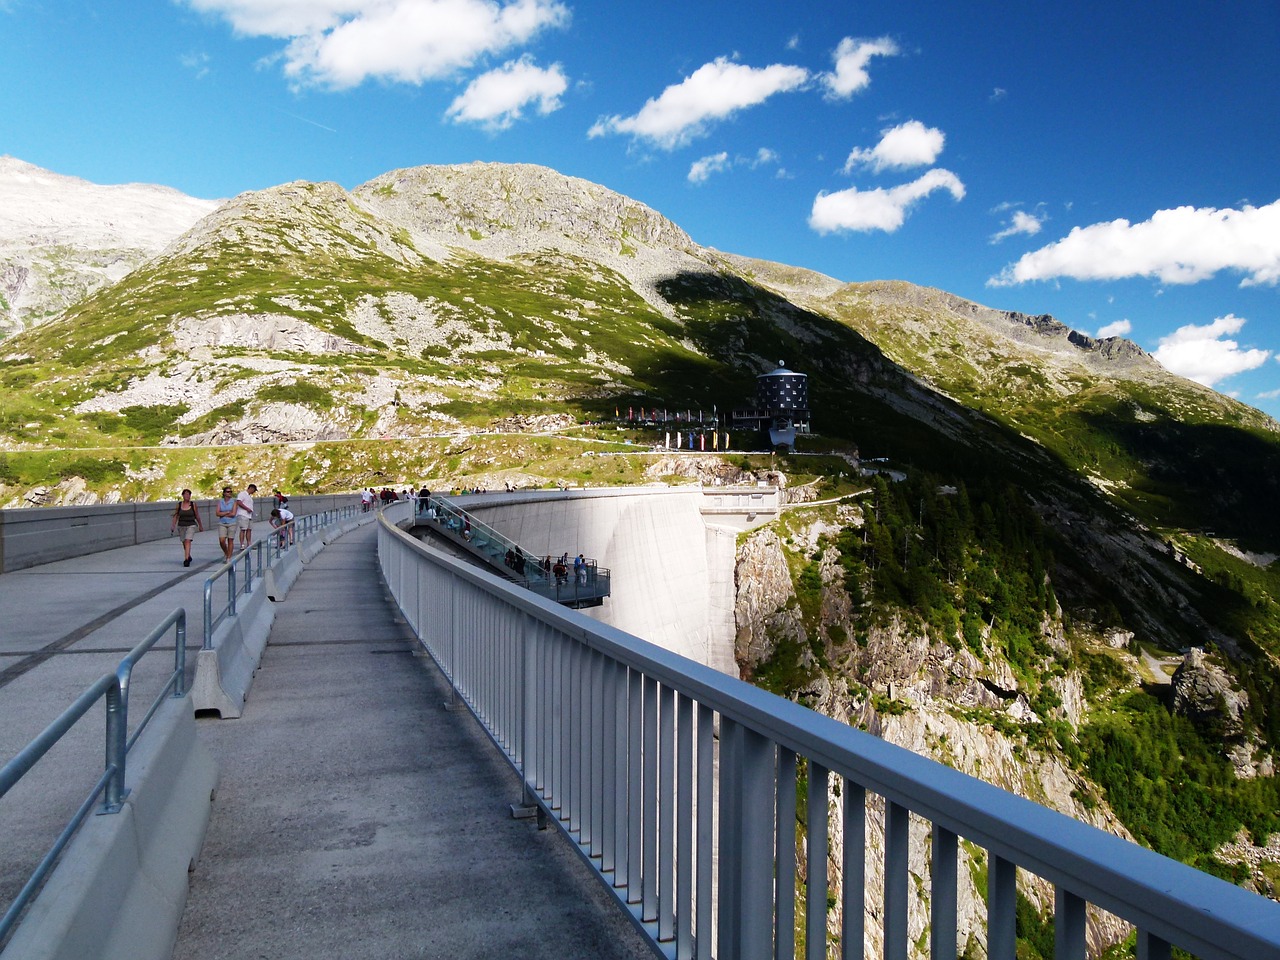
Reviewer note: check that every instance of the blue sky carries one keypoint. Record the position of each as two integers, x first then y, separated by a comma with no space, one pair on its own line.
1114,164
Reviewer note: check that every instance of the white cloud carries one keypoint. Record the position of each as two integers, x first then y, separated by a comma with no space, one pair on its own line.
1021,223
909,144
720,163
1270,394
1120,328
1203,354
1182,245
497,98
702,169
851,59
342,43
712,92
197,63
866,210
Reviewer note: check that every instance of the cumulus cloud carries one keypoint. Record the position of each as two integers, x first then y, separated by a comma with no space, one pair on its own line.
1182,245
1020,224
342,43
702,169
1120,328
197,63
1205,355
1270,394
852,58
909,144
496,99
867,210
714,91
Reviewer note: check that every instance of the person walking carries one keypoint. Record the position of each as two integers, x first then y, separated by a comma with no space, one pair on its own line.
225,511
244,514
186,517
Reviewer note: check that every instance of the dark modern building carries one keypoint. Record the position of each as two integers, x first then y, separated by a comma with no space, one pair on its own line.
781,410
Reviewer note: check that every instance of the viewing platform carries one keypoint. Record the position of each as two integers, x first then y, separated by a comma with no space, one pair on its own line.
574,582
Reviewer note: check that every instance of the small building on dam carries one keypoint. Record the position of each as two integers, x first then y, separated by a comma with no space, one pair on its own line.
781,410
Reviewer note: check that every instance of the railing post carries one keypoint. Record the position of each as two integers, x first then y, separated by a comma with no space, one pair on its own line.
757,821
816,862
897,849
117,730
180,656
1002,906
942,902
207,643
1069,926
853,871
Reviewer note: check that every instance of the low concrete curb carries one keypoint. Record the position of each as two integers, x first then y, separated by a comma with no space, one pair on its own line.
280,575
119,891
225,673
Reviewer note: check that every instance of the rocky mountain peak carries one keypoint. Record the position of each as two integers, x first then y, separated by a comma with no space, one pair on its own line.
61,237
528,203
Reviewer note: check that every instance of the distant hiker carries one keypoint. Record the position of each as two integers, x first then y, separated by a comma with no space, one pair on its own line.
244,513
186,517
225,511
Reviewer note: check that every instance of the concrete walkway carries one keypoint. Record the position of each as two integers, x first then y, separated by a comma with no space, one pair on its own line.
356,818
62,626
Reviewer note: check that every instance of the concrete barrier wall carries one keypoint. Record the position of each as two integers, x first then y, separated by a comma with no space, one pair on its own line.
120,888
45,534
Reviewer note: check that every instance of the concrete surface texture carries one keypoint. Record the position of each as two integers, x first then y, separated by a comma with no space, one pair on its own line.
356,818
672,571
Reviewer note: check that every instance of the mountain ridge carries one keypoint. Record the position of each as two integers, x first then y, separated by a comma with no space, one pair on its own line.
1064,491
62,237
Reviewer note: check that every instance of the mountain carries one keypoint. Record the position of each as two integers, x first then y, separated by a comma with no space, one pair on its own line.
1069,514
61,238
442,299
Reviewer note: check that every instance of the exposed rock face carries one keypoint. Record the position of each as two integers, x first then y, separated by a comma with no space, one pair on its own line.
924,694
763,611
61,238
1202,690
711,470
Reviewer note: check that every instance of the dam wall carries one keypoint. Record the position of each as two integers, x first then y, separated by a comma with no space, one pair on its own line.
672,570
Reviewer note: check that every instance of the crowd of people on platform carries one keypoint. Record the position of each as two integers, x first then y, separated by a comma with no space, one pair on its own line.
234,515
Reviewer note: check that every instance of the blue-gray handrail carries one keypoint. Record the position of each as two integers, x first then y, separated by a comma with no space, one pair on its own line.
250,563
237,585
114,688
695,835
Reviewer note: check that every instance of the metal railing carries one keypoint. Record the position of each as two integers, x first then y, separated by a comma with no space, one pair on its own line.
695,834
114,688
561,583
249,564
